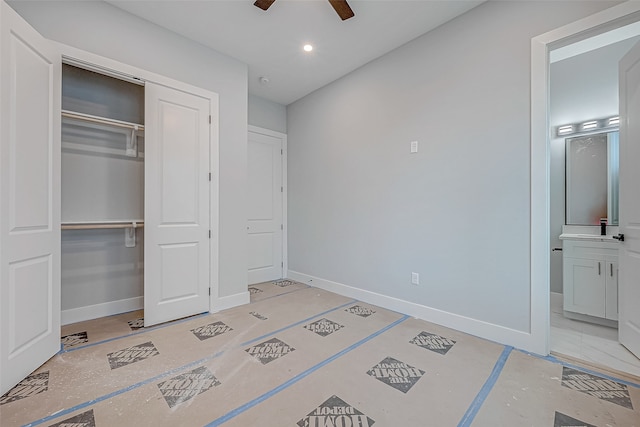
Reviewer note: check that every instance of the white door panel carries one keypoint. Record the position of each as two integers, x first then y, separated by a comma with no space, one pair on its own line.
261,175
30,194
629,255
265,214
261,250
177,129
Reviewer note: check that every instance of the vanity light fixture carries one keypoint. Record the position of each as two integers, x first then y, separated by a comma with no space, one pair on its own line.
563,130
588,126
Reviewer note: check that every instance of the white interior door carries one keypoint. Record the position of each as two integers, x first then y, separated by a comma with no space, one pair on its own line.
177,233
265,226
30,192
629,267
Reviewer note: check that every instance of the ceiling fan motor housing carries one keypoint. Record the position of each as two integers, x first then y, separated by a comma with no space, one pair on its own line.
341,7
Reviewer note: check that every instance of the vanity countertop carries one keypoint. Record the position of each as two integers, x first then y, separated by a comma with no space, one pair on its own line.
592,237
589,233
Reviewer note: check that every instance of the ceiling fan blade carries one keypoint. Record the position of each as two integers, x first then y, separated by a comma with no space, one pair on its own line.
342,9
263,4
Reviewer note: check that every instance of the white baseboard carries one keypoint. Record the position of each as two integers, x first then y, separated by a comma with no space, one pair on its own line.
96,311
489,331
80,314
222,303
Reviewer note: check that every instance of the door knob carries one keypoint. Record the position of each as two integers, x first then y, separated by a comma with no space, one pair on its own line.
619,237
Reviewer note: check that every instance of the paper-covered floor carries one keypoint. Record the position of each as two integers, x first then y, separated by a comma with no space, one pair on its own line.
301,356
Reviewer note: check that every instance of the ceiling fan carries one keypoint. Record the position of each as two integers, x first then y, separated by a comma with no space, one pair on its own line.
340,6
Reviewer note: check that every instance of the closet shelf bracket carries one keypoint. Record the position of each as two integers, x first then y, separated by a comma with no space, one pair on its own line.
132,142
130,236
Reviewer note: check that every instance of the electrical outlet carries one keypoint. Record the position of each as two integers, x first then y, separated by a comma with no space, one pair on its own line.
415,279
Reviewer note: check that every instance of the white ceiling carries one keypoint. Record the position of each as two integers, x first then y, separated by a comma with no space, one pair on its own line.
270,42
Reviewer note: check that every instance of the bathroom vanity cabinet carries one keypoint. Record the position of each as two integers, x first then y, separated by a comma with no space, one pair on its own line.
590,278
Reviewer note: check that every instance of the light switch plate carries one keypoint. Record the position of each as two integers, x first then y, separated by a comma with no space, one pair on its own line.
414,146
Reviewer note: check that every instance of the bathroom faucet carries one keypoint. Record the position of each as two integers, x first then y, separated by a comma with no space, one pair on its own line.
603,226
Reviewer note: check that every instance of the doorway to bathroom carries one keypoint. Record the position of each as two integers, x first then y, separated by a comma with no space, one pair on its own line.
583,273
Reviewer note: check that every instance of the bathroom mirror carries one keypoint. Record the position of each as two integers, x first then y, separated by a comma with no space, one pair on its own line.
592,179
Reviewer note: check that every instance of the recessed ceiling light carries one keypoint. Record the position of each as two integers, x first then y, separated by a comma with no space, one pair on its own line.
307,48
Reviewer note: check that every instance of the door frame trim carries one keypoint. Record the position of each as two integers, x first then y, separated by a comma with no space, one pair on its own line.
541,45
283,138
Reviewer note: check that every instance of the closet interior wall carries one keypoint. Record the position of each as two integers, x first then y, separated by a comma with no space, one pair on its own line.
102,267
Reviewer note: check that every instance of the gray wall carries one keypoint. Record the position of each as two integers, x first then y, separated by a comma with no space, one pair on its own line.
366,213
97,268
582,87
105,30
267,114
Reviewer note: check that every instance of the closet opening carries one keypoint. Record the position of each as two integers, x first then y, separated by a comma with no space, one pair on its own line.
103,193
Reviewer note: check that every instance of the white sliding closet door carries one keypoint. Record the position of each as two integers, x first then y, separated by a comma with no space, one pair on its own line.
30,194
177,231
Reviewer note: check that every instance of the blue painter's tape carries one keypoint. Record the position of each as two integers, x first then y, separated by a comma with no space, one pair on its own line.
132,334
475,406
173,371
300,322
239,410
554,359
153,328
124,390
279,295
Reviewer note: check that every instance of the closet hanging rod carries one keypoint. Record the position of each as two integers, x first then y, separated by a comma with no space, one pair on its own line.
101,225
101,120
